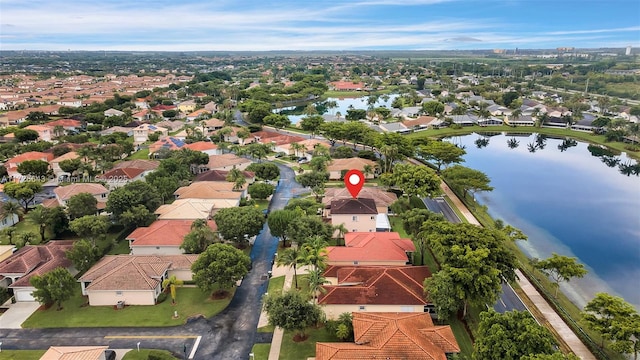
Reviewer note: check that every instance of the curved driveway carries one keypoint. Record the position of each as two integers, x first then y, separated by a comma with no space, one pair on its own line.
228,335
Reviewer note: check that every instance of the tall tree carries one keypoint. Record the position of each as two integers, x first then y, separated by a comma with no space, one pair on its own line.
301,229
82,204
37,169
83,255
199,238
291,312
240,223
9,209
135,193
316,282
279,221
260,190
40,218
221,265
441,153
609,315
561,268
24,192
91,227
412,222
413,180
466,179
314,252
291,257
510,336
55,286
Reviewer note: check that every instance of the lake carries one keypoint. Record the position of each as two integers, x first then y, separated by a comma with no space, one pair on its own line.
569,198
343,104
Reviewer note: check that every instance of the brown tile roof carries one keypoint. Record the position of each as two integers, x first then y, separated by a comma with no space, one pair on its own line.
36,260
375,246
120,174
130,272
201,146
216,161
64,123
408,336
164,233
354,206
209,190
220,175
138,164
377,285
271,137
66,192
67,156
381,197
350,163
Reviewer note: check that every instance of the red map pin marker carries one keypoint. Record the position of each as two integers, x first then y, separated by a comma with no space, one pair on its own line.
354,181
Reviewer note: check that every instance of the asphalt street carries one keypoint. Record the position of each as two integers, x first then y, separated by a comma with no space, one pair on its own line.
508,300
229,335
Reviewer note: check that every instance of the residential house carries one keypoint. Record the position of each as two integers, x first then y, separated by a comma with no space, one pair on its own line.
166,143
357,215
74,103
170,125
9,220
225,162
396,127
187,106
346,86
374,289
206,147
366,249
523,120
141,104
142,132
338,167
211,106
491,121
464,120
119,177
382,198
309,147
115,129
392,335
12,164
64,193
113,112
420,123
66,124
131,279
17,270
211,190
191,209
162,237
75,353
146,165
213,124
6,251
45,133
55,164
221,175
198,114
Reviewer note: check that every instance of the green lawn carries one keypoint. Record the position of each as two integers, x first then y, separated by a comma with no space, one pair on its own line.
143,354
292,350
275,284
142,154
190,302
463,338
261,351
122,247
21,354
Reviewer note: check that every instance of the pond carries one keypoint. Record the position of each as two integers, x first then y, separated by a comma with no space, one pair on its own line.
570,198
296,113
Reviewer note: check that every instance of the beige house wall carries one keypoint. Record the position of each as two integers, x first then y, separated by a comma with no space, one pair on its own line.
229,167
363,223
156,250
333,311
184,275
132,297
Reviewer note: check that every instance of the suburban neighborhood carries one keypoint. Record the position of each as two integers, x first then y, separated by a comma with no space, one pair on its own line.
206,214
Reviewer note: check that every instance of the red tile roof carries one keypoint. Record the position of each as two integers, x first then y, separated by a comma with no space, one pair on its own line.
201,146
408,336
64,123
36,260
164,233
371,246
120,174
376,285
31,155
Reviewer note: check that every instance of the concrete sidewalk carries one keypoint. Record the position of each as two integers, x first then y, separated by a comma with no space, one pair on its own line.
278,333
563,330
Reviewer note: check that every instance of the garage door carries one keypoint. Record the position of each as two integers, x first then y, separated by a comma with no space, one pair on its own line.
23,295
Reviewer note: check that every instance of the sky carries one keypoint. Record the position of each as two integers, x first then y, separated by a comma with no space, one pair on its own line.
259,25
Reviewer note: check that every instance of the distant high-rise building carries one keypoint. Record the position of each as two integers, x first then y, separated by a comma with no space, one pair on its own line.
628,52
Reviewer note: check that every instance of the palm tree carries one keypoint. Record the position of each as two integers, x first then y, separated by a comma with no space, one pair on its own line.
367,170
9,209
39,217
9,232
224,132
321,150
314,252
296,147
291,257
342,230
27,238
234,174
316,280
173,282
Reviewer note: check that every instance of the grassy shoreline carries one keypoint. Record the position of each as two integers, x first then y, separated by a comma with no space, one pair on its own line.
578,135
